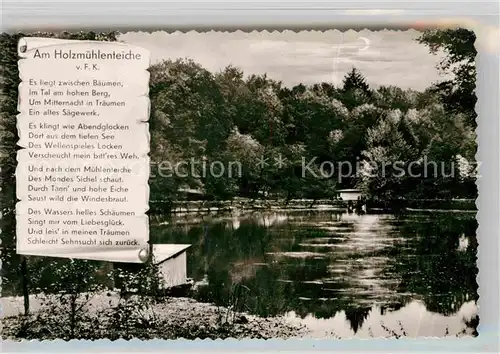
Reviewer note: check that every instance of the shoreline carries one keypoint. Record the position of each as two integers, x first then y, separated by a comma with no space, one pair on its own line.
247,205
170,318
182,317
180,207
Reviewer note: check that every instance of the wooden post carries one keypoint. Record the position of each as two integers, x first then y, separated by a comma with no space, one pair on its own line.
24,284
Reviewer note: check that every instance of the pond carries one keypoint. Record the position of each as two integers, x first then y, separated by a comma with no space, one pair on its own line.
341,274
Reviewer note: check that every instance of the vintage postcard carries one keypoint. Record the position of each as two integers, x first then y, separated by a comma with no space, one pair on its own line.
167,185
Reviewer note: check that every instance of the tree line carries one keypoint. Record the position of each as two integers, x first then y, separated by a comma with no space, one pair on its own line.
354,134
351,133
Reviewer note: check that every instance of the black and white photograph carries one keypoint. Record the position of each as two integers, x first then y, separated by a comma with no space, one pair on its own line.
302,184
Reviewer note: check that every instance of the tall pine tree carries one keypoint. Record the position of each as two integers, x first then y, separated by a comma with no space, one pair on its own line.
355,90
355,80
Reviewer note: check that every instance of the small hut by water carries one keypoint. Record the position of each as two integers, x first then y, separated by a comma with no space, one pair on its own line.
349,194
354,199
172,263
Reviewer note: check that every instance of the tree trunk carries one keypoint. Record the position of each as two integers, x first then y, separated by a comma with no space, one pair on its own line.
73,300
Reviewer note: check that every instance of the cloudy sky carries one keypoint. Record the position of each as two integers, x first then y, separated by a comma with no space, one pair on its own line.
384,57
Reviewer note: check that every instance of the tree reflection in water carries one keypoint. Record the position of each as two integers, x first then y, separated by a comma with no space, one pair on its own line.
319,264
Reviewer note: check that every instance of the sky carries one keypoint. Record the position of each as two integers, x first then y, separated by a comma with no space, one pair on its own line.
308,57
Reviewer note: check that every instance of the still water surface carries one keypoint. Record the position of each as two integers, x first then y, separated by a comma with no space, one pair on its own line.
341,274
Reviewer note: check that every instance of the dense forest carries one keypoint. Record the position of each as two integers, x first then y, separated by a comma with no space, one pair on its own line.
352,134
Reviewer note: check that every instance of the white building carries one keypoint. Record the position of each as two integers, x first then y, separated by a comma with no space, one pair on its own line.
349,194
172,263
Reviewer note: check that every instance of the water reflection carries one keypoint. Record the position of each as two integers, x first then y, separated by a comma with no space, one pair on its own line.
412,320
324,267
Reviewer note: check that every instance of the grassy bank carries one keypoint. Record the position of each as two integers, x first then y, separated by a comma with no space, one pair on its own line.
107,315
